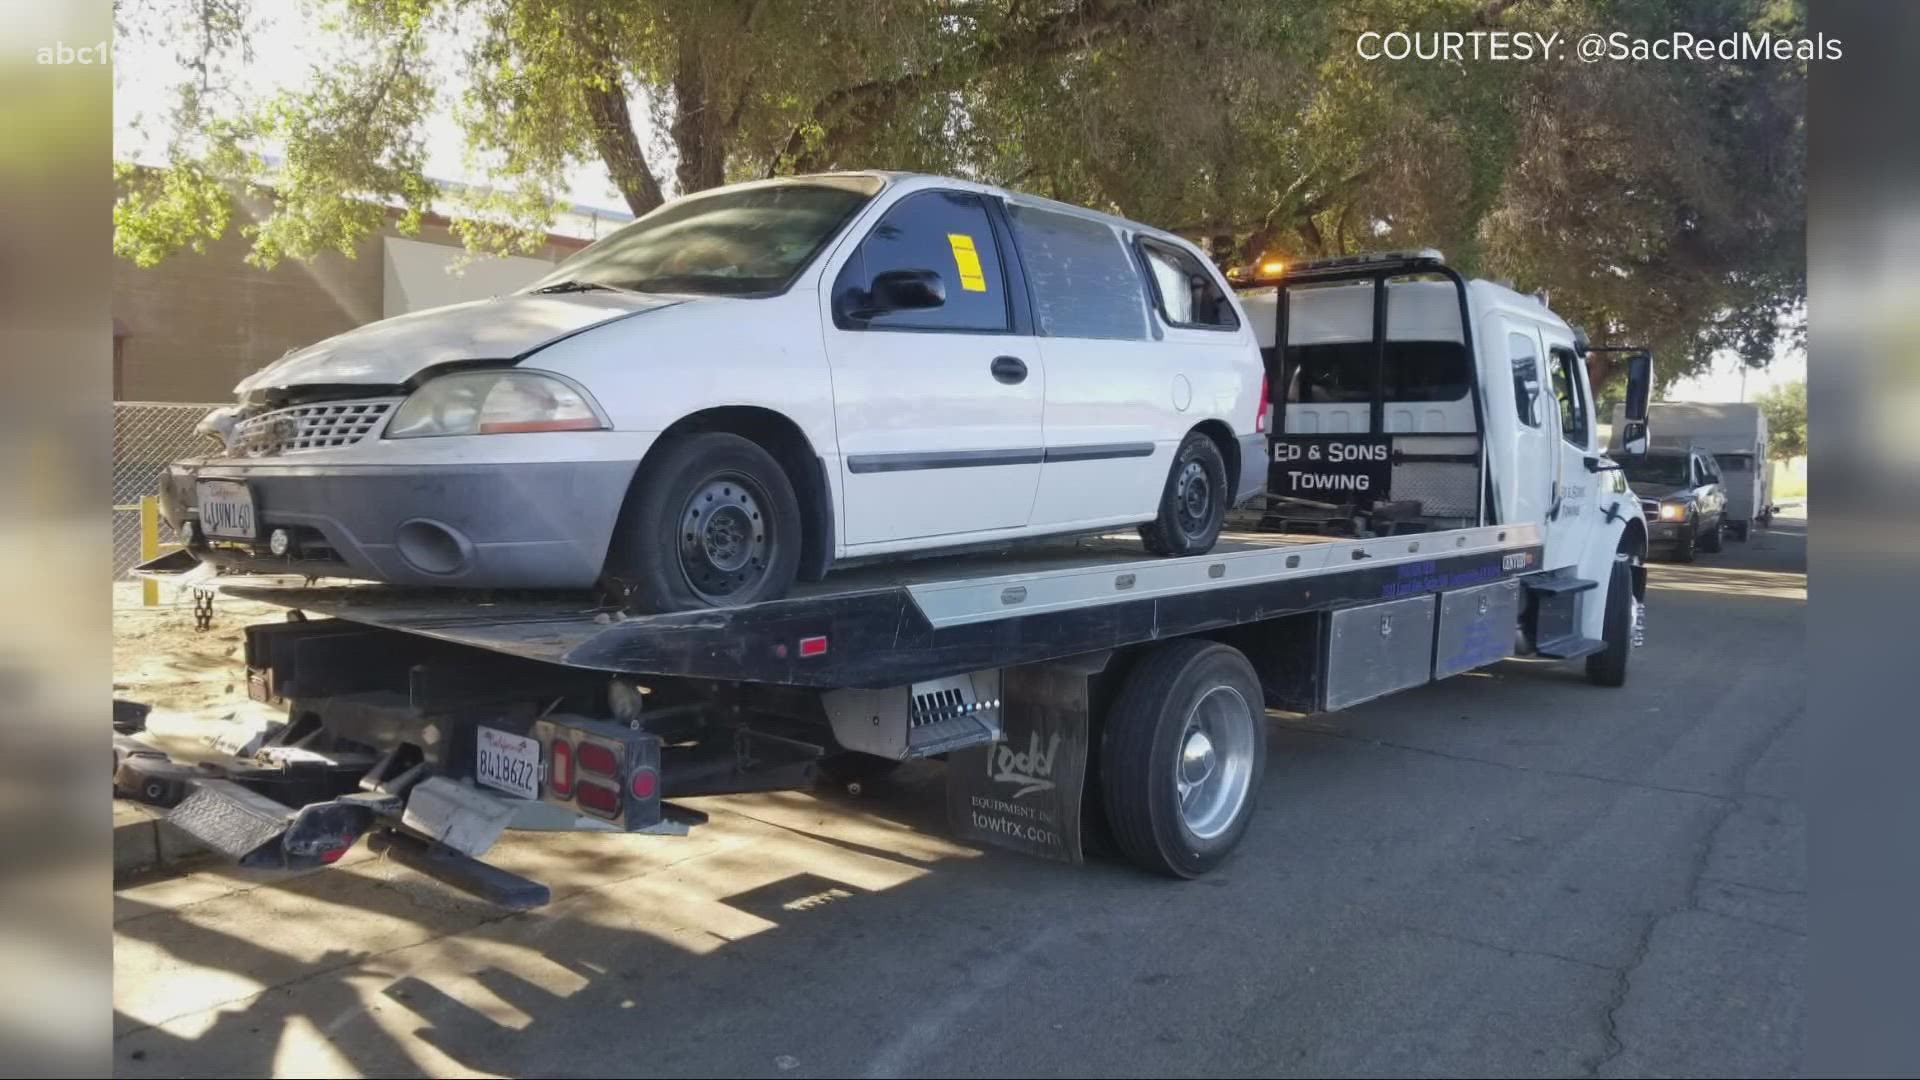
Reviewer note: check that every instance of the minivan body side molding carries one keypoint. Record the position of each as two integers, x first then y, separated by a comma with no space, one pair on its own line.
964,459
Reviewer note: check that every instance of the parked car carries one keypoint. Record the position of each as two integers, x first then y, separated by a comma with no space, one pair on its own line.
746,386
1735,433
1685,502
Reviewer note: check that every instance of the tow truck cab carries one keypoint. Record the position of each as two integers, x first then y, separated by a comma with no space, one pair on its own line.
1409,399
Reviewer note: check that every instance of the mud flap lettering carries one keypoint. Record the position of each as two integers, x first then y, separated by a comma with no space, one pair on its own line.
1024,793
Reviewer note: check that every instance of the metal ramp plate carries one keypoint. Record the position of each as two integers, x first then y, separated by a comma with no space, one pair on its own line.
232,820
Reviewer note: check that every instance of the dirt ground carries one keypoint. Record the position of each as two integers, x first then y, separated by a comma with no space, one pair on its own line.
160,659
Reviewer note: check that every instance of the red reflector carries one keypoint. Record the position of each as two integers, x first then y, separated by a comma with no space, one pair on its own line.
332,855
597,759
560,770
645,781
598,797
813,646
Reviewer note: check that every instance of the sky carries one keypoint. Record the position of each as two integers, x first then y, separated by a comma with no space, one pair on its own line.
287,48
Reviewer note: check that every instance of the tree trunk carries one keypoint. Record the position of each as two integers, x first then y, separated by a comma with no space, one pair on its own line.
698,123
619,147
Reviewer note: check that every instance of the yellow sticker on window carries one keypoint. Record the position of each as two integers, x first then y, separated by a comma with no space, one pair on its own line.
967,261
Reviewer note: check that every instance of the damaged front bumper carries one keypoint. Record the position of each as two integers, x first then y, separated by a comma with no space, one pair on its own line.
524,524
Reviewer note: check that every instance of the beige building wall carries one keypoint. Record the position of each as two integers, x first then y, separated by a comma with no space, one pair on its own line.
193,326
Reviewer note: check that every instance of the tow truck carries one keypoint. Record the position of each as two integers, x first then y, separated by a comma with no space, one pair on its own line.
1438,501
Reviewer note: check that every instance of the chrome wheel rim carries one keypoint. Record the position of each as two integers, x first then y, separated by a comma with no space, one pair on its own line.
1193,495
1213,763
725,545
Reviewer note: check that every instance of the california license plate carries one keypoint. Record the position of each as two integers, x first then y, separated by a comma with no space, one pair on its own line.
509,763
226,510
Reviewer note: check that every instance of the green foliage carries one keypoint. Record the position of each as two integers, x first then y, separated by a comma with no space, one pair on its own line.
1659,204
1785,407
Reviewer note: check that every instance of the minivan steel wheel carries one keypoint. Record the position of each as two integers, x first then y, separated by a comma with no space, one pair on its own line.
725,548
1193,505
712,521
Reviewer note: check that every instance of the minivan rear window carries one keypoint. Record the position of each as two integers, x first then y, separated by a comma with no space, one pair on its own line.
1083,282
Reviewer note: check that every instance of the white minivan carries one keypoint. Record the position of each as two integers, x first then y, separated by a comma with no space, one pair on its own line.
749,385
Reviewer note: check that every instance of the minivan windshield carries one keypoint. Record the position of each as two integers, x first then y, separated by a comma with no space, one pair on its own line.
1657,470
748,242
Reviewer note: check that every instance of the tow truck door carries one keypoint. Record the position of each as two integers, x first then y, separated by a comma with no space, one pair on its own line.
1534,453
1573,513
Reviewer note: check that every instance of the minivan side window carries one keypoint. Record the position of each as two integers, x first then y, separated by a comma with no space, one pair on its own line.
1084,284
1187,294
949,233
1526,377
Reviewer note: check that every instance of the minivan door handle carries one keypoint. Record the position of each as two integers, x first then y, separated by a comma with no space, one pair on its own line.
1009,369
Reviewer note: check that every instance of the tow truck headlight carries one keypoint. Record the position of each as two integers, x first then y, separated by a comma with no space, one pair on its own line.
494,402
1673,511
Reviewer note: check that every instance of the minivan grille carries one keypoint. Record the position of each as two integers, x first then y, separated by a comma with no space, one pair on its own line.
323,425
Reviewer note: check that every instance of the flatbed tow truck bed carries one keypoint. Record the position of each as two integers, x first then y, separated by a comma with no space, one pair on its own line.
432,720
888,623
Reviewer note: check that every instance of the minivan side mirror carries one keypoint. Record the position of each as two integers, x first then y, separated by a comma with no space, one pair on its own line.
902,290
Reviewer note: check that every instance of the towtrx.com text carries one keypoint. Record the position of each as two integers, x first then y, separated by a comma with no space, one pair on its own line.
1530,45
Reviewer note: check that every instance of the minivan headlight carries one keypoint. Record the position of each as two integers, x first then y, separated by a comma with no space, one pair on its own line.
494,402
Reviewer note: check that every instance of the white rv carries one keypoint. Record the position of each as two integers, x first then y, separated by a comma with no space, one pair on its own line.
1736,435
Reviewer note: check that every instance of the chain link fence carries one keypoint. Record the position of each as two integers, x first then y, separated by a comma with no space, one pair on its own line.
147,435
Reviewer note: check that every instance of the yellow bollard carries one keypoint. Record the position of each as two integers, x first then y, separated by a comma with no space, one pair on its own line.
149,547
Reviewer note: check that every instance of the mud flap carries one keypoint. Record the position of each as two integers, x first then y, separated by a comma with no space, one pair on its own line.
1025,793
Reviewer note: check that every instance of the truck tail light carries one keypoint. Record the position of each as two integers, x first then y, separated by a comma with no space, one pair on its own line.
1264,419
645,783
600,798
560,768
602,769
597,759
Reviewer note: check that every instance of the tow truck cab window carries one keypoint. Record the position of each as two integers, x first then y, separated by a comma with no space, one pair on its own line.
1083,282
1734,463
1526,377
949,233
1344,372
1571,395
1187,293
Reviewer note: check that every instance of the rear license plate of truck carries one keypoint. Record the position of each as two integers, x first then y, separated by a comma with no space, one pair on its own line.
226,510
509,763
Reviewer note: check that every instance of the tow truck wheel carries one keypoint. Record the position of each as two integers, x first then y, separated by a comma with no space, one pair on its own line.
712,522
1181,758
1194,504
1608,667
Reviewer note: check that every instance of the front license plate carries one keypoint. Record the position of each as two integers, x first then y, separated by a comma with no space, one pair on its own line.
510,763
226,510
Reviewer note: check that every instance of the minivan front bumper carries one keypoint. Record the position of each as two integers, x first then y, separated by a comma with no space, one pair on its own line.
541,524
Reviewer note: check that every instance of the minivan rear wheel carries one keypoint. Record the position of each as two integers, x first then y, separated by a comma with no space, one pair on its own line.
1193,505
712,522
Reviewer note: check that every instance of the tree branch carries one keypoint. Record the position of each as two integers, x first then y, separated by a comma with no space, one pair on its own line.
613,135
862,107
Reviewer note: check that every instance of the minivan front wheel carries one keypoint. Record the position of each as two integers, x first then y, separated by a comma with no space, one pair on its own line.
712,522
1193,505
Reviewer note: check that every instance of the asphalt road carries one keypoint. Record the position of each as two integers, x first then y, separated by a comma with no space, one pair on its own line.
1511,872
